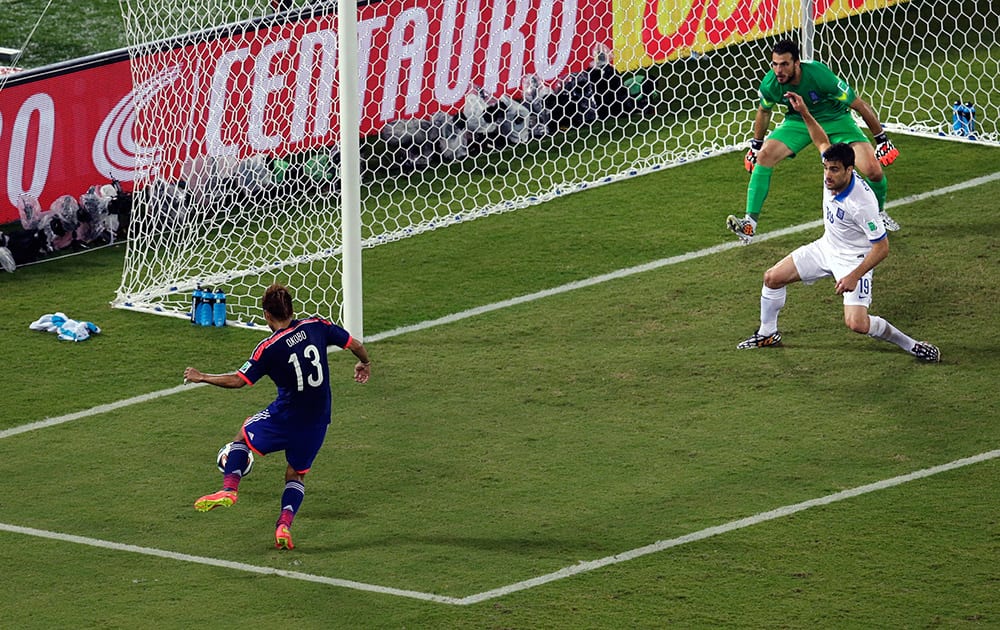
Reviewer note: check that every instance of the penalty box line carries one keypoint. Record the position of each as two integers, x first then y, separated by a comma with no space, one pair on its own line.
225,564
474,312
582,567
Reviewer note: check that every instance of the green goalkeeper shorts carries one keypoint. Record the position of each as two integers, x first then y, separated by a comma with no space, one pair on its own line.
793,133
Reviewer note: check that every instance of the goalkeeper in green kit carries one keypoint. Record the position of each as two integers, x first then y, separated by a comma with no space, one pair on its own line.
830,100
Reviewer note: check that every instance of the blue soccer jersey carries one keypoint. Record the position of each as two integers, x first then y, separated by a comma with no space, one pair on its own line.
295,358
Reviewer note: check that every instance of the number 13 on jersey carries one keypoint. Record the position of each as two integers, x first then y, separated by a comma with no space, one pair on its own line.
313,375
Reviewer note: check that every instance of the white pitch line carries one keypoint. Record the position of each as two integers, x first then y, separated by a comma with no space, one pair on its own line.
480,310
93,411
544,579
225,564
708,532
502,591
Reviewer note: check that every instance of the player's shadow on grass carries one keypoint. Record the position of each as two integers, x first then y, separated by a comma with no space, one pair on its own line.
337,515
531,547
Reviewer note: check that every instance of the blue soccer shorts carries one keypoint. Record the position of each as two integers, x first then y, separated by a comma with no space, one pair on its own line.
268,432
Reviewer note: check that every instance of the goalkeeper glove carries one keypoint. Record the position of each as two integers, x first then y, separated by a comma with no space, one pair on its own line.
885,150
750,160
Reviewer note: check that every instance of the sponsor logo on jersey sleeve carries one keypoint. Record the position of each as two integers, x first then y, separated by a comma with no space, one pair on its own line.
844,89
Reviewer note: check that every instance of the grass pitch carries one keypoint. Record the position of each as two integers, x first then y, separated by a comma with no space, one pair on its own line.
512,444
515,443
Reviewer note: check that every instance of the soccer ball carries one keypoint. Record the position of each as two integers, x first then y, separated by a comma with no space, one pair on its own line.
223,456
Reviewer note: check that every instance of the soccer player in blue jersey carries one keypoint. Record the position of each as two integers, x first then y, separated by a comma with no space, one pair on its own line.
854,241
295,358
830,100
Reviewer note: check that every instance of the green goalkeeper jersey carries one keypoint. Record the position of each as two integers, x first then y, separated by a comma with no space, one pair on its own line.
827,95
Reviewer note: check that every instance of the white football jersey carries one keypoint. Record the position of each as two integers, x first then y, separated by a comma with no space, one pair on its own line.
851,219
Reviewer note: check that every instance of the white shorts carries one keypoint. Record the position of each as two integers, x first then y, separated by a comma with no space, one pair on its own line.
818,260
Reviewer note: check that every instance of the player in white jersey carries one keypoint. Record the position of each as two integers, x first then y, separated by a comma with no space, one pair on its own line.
854,241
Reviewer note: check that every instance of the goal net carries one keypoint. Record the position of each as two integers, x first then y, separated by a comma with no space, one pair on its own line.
475,107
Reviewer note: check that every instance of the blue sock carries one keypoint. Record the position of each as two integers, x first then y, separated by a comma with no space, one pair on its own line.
291,501
236,463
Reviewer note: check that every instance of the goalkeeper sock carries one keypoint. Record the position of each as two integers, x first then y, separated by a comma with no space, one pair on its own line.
771,302
879,328
760,185
881,190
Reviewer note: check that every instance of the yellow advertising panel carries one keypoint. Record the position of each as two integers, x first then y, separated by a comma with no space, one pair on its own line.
651,31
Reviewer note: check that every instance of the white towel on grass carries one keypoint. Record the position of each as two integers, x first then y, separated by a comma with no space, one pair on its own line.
67,329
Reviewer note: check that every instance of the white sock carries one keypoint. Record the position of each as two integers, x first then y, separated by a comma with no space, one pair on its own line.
878,328
771,302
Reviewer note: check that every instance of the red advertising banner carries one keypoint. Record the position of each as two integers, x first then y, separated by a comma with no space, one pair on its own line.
63,129
271,87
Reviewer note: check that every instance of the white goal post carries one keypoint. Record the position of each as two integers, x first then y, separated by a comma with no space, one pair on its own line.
459,109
